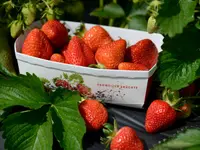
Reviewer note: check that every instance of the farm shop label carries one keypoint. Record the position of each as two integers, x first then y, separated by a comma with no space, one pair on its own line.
117,86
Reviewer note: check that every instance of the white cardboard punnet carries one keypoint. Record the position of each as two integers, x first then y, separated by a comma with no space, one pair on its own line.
127,88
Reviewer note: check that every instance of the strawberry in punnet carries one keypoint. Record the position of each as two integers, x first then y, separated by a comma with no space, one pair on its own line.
111,55
143,52
159,116
96,37
37,44
56,32
57,57
94,113
123,139
131,66
78,53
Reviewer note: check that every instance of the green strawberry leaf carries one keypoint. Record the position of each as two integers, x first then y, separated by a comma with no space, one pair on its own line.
111,10
138,23
25,90
69,127
138,10
28,130
187,140
179,62
175,15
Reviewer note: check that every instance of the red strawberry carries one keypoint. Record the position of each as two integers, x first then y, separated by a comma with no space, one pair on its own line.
94,113
159,116
95,37
185,111
57,57
37,44
56,32
78,53
126,139
111,55
143,52
131,66
122,139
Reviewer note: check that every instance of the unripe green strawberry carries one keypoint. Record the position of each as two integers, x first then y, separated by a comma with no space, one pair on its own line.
8,5
151,24
29,13
16,28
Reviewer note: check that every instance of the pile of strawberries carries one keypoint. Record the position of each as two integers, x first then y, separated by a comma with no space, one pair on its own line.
95,49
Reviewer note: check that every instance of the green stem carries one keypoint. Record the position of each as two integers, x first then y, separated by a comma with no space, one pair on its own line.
46,4
115,1
123,24
111,22
192,97
101,3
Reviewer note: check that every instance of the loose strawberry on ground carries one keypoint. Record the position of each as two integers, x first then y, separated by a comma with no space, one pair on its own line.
111,55
123,139
57,57
94,113
143,52
126,139
37,44
96,37
77,53
131,66
56,32
159,116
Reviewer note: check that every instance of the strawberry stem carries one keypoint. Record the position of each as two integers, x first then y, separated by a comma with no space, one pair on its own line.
101,3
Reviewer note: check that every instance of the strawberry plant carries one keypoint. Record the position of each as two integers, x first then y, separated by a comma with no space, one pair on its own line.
19,14
133,14
44,114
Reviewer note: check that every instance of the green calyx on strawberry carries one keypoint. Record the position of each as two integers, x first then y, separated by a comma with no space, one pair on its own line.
80,30
121,139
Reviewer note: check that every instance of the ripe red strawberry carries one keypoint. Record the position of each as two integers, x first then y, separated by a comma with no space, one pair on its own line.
56,32
57,57
111,55
143,52
159,116
123,139
96,37
37,44
78,53
131,66
94,113
126,139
